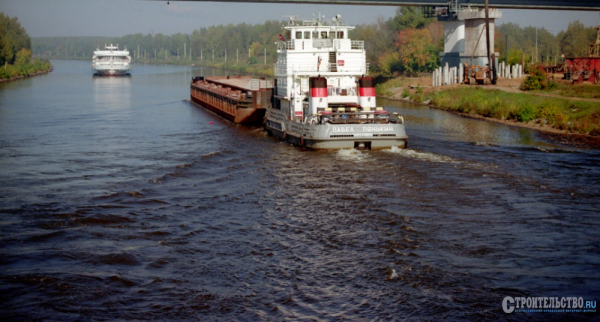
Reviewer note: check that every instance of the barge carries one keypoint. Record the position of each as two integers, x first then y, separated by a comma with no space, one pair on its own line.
240,99
323,97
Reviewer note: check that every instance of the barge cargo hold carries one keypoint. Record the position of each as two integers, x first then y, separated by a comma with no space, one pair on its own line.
240,99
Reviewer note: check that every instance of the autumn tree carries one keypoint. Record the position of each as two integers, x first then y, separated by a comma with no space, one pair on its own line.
416,51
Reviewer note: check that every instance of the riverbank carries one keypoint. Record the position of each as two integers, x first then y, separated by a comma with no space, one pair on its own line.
573,121
6,80
33,67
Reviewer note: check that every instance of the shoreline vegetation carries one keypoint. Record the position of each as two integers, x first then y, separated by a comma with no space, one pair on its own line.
569,114
16,61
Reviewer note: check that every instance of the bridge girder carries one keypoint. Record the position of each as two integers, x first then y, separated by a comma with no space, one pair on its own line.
504,4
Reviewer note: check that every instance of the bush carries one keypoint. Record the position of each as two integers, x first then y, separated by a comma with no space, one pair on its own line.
526,113
535,80
405,93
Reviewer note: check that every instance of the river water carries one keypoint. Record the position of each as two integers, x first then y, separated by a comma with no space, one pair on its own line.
120,200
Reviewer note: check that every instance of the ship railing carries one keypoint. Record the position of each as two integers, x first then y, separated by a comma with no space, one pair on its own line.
258,84
357,44
286,69
322,43
379,117
307,44
339,91
287,45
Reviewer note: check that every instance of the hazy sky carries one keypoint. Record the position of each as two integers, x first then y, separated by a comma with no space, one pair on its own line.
121,17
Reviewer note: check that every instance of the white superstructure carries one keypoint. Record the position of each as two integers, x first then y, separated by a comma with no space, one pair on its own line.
111,61
323,97
312,48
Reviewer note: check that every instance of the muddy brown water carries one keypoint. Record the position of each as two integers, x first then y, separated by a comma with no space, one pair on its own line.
119,200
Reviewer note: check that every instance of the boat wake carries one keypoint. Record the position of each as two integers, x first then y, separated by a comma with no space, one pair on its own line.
353,155
423,156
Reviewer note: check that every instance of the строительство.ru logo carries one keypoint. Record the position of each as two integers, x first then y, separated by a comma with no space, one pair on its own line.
547,304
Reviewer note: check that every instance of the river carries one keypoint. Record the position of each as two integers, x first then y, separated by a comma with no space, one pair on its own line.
121,200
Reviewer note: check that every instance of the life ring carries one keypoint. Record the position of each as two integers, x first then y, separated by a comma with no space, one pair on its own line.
301,141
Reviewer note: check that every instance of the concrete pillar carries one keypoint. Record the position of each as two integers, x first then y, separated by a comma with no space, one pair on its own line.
446,74
507,71
514,72
461,73
454,72
440,76
501,70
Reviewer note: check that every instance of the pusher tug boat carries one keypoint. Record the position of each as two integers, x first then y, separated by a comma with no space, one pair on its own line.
322,96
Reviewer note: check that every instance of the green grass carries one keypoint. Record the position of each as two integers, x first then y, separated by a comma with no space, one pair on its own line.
576,116
578,90
35,65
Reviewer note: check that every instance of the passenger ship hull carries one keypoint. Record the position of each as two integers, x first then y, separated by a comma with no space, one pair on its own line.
111,71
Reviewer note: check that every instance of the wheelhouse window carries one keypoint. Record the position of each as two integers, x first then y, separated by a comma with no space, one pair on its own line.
315,35
323,34
340,35
307,35
298,34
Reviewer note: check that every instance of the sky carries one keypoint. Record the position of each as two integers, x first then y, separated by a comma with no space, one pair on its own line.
115,18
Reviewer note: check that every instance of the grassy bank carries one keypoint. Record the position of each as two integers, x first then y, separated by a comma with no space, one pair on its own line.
569,90
35,66
562,113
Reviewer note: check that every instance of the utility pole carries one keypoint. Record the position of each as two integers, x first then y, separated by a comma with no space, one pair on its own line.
491,59
536,48
213,55
265,55
184,50
237,56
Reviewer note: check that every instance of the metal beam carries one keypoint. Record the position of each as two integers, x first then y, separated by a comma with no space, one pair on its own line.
504,4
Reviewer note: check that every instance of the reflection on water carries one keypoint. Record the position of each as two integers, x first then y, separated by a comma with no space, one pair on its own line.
112,92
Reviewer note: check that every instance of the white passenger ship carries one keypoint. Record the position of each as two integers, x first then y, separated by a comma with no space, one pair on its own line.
323,97
111,61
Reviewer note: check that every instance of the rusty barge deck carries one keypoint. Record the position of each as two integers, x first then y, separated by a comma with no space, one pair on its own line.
240,99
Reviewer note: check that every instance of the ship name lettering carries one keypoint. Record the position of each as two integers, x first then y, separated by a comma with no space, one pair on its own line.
378,129
344,129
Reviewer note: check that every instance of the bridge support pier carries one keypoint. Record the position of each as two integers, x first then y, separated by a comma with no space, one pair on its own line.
465,37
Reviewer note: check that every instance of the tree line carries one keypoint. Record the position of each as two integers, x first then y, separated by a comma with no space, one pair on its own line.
15,50
409,42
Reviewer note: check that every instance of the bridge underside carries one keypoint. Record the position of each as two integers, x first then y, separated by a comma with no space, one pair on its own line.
504,4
